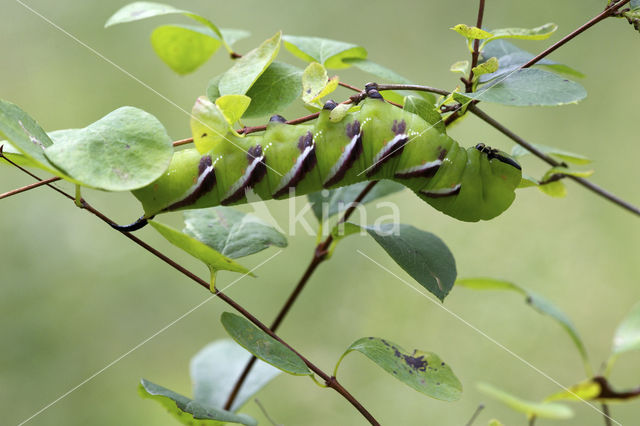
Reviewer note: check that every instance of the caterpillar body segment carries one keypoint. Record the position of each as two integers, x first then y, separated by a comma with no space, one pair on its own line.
379,141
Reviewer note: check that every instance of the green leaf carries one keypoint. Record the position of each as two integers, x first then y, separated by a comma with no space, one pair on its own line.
217,366
233,106
536,302
125,150
330,53
461,67
231,232
27,137
555,189
539,33
563,171
489,284
212,258
316,83
274,90
188,411
246,70
569,157
426,110
585,391
337,200
528,181
627,336
473,33
263,346
184,48
488,67
423,371
389,76
530,87
142,10
421,254
13,154
512,57
494,422
531,409
339,112
209,126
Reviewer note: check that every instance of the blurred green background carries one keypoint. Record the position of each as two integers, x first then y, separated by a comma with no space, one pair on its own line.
75,296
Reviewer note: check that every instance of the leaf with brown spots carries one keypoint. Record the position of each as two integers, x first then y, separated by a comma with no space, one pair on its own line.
423,371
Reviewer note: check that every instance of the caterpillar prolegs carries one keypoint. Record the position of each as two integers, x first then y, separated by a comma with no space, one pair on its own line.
379,141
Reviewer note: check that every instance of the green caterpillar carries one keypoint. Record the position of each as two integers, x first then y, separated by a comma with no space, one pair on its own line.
379,141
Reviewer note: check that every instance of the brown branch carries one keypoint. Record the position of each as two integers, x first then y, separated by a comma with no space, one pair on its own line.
330,381
610,10
28,187
584,182
468,83
606,414
319,256
183,142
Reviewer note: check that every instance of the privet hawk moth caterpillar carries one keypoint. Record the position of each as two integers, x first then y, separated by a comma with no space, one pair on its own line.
379,141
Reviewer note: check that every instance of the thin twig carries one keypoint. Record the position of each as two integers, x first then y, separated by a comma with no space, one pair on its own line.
28,187
475,415
331,382
606,415
319,255
610,10
468,83
183,142
584,182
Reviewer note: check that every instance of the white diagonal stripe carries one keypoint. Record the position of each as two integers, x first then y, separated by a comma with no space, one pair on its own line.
139,345
491,339
127,73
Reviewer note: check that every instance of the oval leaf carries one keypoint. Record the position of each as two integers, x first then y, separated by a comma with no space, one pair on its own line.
537,409
539,33
125,150
213,259
627,337
555,189
330,53
209,126
26,137
584,391
184,48
423,371
569,157
215,369
511,58
421,254
231,232
141,10
530,87
536,302
473,33
144,9
246,70
327,203
263,346
274,90
233,106
188,411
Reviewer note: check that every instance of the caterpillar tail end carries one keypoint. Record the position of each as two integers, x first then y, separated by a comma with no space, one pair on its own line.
138,224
